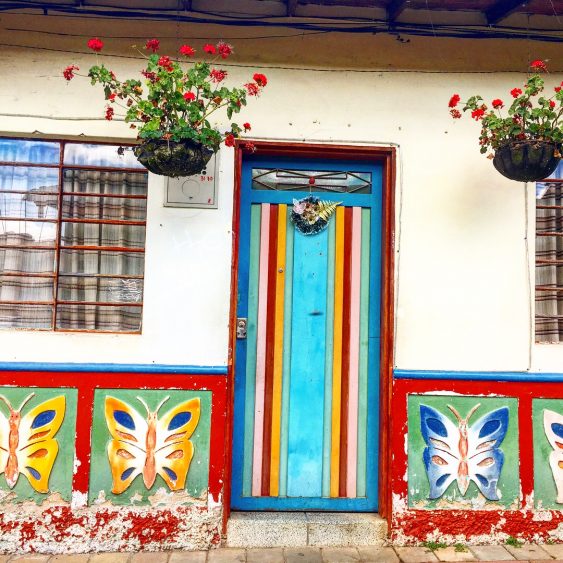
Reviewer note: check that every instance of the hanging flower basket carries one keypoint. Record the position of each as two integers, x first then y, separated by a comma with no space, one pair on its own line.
525,140
169,104
171,158
527,161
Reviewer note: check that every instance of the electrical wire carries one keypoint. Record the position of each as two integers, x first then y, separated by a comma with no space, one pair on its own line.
342,25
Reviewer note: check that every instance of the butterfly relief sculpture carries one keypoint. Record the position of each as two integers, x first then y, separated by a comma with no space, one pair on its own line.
150,446
27,443
461,452
553,426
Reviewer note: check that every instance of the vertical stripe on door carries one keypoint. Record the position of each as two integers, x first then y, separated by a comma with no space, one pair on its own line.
337,353
305,447
270,347
363,360
261,351
251,348
315,325
278,351
284,438
353,377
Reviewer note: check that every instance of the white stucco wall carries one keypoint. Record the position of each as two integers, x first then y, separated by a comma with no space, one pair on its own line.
464,291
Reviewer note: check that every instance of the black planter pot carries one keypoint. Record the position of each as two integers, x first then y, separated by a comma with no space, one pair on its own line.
527,161
171,158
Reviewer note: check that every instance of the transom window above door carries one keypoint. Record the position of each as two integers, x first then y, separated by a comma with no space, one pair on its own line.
72,236
312,180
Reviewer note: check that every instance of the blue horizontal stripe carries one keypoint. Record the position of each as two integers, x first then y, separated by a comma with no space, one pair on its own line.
114,368
525,376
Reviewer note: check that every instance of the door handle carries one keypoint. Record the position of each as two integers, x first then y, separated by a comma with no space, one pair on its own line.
241,328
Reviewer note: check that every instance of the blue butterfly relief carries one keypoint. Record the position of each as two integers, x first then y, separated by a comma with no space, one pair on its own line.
179,420
125,419
463,453
43,418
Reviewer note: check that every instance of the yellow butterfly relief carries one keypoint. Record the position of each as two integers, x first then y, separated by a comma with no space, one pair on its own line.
148,445
27,443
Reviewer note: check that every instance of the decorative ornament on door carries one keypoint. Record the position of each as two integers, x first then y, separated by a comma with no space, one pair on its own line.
310,215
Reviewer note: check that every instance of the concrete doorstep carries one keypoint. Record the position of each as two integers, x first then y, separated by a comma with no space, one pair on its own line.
310,554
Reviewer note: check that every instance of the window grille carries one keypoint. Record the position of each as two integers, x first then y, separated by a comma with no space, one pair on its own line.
549,259
72,236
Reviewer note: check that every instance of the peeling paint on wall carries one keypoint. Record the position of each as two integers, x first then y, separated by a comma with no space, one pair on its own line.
63,530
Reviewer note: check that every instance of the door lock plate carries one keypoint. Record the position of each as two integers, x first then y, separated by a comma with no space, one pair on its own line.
241,327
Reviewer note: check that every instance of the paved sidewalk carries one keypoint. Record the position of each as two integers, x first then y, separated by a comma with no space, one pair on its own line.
525,552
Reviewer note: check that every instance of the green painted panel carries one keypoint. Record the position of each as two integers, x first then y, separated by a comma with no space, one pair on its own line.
286,373
100,473
59,480
364,356
327,422
545,490
253,278
418,483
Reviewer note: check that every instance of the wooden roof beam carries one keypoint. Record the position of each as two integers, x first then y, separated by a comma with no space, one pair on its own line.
394,9
291,7
502,9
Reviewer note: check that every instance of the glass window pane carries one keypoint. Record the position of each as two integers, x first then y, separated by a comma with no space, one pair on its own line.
27,233
311,180
103,318
25,179
94,207
103,290
100,155
37,152
95,181
26,261
29,205
102,262
26,316
18,288
95,234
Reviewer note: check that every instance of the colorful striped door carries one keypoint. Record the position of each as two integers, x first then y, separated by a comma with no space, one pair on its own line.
306,378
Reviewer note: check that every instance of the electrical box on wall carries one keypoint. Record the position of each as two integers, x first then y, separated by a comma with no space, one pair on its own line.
199,190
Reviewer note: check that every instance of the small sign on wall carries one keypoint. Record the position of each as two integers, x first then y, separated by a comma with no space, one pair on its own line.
199,190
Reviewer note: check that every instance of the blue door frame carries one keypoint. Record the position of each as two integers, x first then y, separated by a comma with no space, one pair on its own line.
373,201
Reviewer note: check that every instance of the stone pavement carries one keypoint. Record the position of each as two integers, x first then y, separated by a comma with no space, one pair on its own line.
492,553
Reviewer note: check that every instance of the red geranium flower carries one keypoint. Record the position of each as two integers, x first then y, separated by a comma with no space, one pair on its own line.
95,44
252,89
497,104
150,75
111,97
246,126
538,65
68,72
248,146
454,100
152,45
109,113
551,104
209,49
477,114
515,92
260,79
166,63
224,49
189,96
455,113
557,88
230,140
217,75
187,51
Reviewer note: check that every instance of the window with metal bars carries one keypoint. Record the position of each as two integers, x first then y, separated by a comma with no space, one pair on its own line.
72,236
549,258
